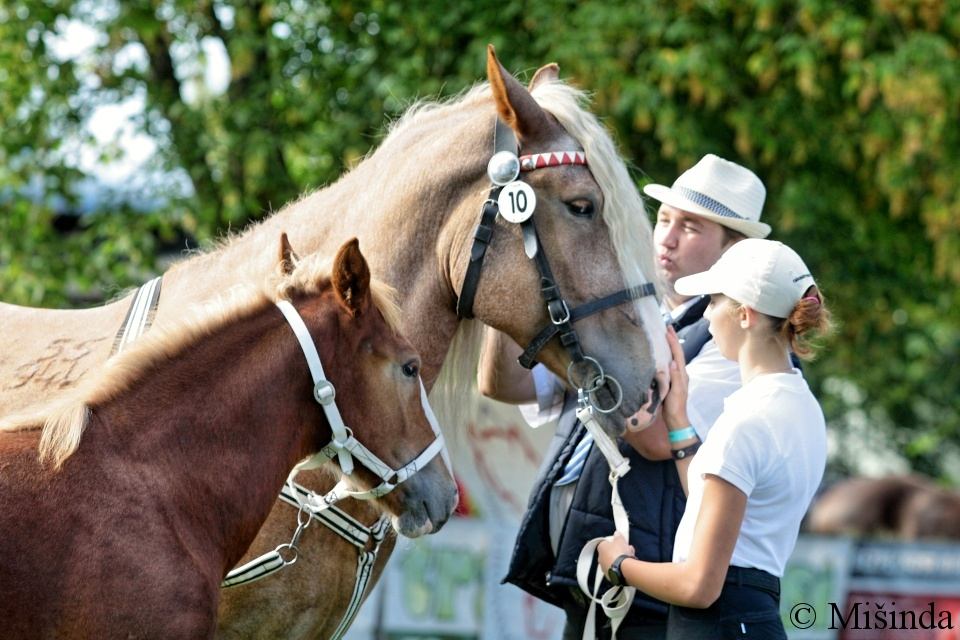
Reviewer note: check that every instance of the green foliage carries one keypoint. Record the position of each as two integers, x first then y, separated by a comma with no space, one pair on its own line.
848,111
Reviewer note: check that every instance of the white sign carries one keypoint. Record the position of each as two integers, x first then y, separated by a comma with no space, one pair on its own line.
517,201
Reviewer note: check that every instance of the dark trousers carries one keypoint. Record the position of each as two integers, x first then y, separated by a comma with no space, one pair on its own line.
748,607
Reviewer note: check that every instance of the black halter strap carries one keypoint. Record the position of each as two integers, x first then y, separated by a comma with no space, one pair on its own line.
561,316
528,357
481,240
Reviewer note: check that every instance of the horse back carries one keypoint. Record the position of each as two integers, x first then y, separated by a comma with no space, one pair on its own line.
43,351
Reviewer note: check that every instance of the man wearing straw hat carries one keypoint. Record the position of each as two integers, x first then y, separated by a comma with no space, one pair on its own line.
708,208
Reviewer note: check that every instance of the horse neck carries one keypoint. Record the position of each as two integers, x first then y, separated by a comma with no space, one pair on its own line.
218,428
410,204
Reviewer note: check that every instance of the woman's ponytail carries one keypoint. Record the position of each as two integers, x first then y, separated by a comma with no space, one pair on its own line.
809,319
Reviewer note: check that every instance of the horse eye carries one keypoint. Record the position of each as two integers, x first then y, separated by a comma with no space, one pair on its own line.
581,208
410,369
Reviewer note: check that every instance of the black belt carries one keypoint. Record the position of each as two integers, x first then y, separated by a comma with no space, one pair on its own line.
756,578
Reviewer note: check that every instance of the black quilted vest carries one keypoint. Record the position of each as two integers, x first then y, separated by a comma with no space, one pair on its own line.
651,493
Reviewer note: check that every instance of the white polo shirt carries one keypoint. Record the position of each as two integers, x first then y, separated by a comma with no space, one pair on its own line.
770,443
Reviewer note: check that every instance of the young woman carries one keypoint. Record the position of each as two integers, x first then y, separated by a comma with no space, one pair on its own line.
750,483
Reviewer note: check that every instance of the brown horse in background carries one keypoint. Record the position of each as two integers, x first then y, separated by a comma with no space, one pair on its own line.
414,203
186,440
903,507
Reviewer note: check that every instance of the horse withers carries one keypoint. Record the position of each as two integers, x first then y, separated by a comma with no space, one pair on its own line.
125,505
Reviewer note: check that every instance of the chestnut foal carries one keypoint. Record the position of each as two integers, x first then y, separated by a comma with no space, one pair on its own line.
123,507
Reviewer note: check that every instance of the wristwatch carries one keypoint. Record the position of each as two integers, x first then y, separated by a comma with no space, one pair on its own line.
614,574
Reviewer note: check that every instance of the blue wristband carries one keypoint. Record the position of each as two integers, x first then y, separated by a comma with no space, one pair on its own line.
682,434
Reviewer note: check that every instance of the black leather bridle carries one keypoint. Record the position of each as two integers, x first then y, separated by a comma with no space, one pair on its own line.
561,315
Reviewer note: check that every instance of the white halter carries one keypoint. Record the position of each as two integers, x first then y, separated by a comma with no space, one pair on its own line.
615,602
321,508
343,444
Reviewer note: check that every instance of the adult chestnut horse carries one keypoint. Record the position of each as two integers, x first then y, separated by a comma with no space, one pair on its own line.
186,440
415,204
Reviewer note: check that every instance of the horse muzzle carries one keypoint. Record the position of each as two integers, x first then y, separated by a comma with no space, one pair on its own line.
428,499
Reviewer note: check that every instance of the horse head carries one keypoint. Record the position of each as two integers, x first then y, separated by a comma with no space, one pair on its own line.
391,448
591,230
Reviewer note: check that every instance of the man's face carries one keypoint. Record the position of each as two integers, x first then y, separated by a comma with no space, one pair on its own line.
686,244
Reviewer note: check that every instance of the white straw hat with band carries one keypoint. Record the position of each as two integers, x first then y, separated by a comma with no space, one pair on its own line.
765,275
719,190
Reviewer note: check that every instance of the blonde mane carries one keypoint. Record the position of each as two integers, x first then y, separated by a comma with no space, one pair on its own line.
63,424
623,207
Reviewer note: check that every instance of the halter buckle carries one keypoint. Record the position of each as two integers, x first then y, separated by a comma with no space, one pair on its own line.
324,392
341,444
553,309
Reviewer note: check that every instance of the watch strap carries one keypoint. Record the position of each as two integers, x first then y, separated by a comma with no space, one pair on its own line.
615,573
686,452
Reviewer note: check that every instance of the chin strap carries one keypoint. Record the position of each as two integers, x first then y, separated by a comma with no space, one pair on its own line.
616,601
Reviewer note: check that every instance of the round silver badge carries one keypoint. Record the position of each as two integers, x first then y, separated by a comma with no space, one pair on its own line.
503,168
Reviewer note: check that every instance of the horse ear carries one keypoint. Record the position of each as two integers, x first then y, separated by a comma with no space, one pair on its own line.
514,103
546,73
287,257
351,277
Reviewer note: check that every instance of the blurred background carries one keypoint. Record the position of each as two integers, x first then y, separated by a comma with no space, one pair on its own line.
131,131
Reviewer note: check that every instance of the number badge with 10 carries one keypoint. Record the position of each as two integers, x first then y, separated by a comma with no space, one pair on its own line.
517,201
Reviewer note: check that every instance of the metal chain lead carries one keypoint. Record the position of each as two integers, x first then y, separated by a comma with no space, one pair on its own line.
303,521
588,393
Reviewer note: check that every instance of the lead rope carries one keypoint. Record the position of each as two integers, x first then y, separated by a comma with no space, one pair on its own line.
616,601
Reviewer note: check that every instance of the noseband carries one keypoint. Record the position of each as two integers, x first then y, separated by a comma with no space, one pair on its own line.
504,169
343,445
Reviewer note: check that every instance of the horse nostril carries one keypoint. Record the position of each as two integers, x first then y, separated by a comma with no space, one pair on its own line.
654,396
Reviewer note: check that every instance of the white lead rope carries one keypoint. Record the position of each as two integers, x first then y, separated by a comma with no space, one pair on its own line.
616,601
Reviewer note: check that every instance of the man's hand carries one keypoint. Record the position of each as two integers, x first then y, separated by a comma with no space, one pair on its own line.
675,401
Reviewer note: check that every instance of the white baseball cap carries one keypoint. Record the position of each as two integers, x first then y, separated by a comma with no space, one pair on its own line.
765,275
719,190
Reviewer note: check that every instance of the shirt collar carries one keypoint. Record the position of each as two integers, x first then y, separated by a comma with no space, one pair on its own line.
677,312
